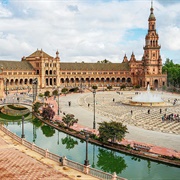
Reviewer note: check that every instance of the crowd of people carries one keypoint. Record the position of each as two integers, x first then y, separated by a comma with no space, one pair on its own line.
171,117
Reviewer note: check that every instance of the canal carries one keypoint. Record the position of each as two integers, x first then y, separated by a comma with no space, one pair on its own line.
130,167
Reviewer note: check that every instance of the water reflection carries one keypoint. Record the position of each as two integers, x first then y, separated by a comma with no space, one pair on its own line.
127,166
69,142
93,164
48,131
37,123
109,162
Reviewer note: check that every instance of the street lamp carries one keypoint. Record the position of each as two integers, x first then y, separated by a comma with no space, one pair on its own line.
89,81
103,84
22,135
94,122
35,84
86,162
58,101
6,86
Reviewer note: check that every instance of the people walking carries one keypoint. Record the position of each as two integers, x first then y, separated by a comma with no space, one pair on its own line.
69,103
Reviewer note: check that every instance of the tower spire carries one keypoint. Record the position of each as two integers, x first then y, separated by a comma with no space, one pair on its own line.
152,17
152,6
151,3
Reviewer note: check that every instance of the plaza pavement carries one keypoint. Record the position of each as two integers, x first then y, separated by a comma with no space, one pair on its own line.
18,162
107,110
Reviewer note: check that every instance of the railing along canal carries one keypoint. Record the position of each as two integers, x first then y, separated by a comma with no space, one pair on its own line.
62,160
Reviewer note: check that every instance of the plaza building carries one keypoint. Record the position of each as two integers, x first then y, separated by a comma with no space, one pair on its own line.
50,72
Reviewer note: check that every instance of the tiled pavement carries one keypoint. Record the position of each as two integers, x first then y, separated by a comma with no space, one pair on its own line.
19,163
106,107
140,118
15,164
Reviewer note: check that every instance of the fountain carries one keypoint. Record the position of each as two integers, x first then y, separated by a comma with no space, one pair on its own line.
147,99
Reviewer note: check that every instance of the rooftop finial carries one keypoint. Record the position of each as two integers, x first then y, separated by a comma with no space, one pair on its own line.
151,5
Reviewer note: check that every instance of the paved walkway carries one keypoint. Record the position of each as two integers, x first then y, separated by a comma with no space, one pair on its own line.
105,112
19,162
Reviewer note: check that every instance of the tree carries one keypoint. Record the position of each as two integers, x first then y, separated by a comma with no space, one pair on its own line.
137,86
55,92
104,61
112,131
94,87
48,113
36,106
69,120
173,72
64,90
47,93
109,87
123,86
41,95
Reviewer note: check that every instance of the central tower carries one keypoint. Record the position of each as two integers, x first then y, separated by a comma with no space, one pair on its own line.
152,61
152,58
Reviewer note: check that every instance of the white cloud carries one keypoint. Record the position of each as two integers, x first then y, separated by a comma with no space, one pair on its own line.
4,13
83,31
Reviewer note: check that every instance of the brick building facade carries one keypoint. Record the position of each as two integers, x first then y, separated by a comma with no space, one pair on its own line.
51,72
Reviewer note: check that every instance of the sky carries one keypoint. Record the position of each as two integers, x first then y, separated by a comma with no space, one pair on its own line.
87,30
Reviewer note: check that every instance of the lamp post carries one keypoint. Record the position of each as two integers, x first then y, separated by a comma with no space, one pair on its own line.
94,122
6,86
89,81
67,81
86,162
35,84
81,84
58,101
22,135
103,84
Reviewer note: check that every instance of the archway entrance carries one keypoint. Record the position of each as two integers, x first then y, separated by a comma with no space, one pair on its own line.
156,83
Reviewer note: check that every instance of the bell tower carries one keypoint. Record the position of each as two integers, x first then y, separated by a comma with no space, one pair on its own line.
152,58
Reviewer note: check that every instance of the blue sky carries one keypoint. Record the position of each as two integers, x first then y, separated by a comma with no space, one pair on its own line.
87,30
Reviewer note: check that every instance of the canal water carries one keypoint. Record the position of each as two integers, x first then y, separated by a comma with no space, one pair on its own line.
130,167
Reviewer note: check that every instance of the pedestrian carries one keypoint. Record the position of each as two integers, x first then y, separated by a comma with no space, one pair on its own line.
162,118
69,103
148,111
113,99
88,104
160,111
131,112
